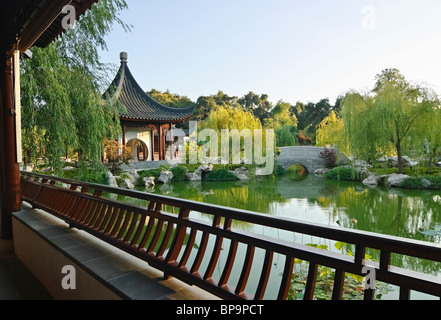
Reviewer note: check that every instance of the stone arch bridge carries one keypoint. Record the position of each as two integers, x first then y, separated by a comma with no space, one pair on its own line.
307,156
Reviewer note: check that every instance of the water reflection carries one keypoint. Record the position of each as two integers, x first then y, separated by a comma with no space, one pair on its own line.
297,172
396,212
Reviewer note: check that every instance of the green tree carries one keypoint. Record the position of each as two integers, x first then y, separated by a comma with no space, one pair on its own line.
61,87
258,104
228,117
388,116
284,123
239,126
360,128
426,141
286,136
206,104
299,111
310,115
390,76
330,131
170,99
281,116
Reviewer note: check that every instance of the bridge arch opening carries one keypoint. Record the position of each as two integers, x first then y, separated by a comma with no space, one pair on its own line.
297,172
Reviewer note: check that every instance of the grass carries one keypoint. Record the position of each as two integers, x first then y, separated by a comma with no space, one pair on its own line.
417,171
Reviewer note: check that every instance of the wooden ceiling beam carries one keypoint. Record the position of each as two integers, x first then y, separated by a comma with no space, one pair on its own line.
40,22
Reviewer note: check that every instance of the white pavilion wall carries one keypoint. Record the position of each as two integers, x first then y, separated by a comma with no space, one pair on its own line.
141,134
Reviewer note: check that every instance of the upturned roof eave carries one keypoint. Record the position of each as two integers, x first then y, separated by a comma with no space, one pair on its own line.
123,79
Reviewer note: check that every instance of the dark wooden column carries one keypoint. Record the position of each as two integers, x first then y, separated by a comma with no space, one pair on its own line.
10,169
123,126
152,144
161,143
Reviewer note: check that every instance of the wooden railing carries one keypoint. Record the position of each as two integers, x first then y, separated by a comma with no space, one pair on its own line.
164,233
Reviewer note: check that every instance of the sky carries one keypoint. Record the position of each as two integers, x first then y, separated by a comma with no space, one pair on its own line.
291,50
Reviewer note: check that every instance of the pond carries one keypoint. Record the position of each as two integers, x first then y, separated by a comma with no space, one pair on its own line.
397,212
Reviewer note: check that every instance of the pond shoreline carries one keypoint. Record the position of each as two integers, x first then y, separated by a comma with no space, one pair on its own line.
387,178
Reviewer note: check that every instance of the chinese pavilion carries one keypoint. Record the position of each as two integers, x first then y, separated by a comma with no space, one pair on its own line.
145,122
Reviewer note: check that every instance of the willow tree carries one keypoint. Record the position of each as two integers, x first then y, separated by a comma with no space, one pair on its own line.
427,142
331,131
61,85
393,114
235,132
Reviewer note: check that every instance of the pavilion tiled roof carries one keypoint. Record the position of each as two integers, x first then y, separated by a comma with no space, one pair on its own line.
138,104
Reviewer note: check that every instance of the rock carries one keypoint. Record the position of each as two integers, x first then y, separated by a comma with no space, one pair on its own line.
111,180
149,181
199,173
410,162
394,180
133,174
392,162
320,171
241,173
192,176
371,180
166,188
127,184
361,163
205,168
165,176
263,171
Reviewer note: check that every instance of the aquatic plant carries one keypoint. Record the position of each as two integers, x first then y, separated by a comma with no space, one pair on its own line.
354,285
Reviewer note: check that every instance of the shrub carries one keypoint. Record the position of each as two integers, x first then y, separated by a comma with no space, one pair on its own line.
435,182
280,171
301,137
330,157
344,173
414,183
417,183
221,175
150,173
179,173
92,176
114,158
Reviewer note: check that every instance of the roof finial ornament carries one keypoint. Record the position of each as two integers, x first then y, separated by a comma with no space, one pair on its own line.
123,57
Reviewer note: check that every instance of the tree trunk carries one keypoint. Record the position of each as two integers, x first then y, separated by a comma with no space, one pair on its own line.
400,157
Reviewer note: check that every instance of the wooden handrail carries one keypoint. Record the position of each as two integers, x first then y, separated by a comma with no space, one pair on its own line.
189,249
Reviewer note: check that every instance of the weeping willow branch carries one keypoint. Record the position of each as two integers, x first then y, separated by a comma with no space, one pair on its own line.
61,92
